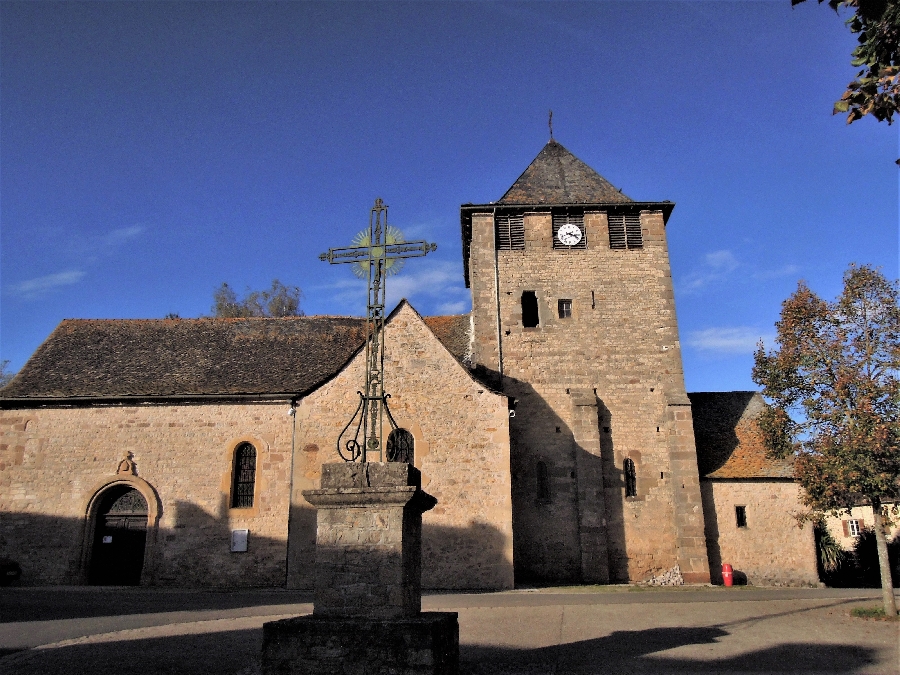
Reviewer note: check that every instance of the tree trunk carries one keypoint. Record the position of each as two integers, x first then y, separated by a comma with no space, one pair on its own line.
884,565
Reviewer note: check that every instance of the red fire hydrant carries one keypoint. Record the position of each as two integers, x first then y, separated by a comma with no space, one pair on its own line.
727,574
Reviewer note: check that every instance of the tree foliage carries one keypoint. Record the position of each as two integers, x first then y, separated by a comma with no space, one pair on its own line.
280,300
876,89
5,374
834,387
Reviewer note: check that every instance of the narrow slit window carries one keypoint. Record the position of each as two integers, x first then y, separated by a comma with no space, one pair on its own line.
565,309
568,230
543,482
630,478
510,232
244,476
625,231
529,309
740,515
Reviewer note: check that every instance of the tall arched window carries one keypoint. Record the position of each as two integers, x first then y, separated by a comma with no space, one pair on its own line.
630,478
400,446
244,476
543,482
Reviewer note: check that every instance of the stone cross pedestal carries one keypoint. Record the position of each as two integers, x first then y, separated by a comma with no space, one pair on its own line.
367,616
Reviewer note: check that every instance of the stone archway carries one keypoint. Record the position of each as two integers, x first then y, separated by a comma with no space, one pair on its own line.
119,537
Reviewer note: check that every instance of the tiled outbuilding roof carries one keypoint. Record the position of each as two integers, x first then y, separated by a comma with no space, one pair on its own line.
159,358
729,442
556,176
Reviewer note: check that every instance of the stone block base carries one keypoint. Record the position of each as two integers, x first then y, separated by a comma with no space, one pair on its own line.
425,644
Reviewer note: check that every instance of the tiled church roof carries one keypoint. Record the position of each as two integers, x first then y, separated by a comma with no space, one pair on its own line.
729,442
120,358
556,176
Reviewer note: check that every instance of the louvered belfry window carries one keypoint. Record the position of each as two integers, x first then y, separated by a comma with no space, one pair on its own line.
576,219
510,232
625,231
244,476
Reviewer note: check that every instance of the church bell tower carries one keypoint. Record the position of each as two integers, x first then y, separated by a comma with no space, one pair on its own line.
574,318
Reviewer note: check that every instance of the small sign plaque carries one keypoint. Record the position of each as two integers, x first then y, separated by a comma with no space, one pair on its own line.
239,541
107,538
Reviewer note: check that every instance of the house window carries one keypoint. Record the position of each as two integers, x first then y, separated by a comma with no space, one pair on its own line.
852,528
543,483
568,230
565,309
529,309
625,231
630,478
510,233
400,446
244,476
740,515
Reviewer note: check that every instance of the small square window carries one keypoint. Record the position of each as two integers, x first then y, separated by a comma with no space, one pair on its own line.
740,514
853,528
565,309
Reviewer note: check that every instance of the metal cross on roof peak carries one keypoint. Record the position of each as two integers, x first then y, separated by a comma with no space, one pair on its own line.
379,252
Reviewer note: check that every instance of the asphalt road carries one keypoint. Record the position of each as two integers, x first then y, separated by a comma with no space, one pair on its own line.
573,630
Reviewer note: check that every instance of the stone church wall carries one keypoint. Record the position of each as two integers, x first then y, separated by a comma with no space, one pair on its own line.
615,361
461,432
770,549
54,461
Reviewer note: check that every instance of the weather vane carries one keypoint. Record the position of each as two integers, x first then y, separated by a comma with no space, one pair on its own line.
550,124
376,253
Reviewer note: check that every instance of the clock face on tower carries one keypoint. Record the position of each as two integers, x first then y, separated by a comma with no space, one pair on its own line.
569,234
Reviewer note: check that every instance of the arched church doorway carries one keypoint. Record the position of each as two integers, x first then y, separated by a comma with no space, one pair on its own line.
120,535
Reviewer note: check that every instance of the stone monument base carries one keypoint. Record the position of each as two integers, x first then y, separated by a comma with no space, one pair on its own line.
419,645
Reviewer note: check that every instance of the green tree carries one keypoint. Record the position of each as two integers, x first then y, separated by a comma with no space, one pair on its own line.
280,300
833,386
876,89
5,374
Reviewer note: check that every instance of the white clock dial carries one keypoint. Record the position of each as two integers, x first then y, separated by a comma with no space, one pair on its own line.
569,234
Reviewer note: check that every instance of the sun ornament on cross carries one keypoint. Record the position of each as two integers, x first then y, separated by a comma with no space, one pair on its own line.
392,235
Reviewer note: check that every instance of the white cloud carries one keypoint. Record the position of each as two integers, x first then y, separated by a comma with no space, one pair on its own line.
33,288
453,307
436,280
121,235
786,271
722,260
716,267
740,340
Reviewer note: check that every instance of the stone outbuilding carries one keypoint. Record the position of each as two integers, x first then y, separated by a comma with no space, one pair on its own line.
750,501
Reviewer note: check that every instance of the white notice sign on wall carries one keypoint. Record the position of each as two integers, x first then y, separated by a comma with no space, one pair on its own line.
239,541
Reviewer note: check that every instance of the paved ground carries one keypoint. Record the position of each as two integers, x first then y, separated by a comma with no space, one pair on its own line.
576,630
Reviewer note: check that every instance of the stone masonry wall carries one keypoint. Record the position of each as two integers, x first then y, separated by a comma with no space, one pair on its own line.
461,433
621,346
771,550
54,461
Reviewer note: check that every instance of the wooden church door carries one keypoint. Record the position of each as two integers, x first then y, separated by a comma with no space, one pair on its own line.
120,534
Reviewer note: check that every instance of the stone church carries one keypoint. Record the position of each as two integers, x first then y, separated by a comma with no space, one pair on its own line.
552,425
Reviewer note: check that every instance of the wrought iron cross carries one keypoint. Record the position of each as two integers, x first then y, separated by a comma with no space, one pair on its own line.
377,254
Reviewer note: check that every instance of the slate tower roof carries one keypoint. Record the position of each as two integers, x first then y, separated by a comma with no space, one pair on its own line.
556,176
556,179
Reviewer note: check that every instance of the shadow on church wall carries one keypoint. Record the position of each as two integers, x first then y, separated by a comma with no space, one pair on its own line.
196,552
551,530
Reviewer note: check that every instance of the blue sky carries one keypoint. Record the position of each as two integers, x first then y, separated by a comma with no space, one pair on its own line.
149,152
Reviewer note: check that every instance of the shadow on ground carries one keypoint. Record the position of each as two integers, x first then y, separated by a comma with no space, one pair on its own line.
639,652
621,652
45,604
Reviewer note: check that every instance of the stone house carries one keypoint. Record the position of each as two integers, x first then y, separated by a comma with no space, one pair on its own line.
552,423
749,500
